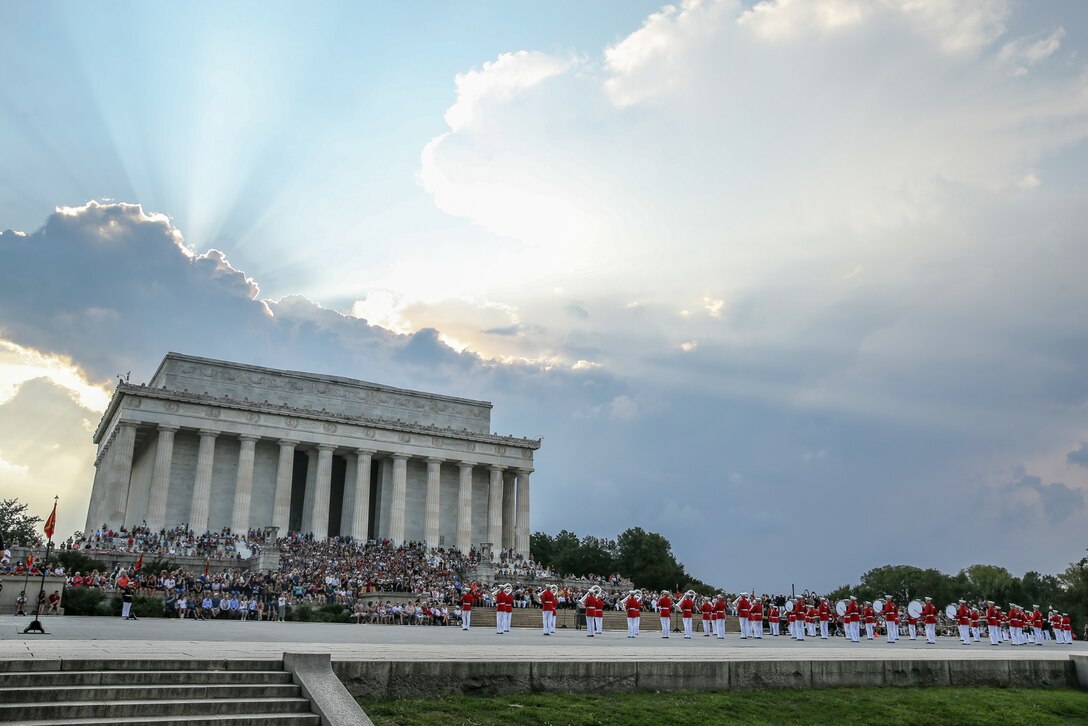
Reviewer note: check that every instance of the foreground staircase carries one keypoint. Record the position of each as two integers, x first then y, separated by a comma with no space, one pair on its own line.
163,693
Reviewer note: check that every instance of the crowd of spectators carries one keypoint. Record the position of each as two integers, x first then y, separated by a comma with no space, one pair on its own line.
165,543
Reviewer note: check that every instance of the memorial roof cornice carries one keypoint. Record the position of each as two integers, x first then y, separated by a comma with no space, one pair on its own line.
146,391
317,377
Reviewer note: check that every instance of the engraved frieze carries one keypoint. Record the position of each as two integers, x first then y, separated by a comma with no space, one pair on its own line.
292,423
212,412
330,428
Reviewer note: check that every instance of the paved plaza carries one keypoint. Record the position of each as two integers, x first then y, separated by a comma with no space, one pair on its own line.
151,638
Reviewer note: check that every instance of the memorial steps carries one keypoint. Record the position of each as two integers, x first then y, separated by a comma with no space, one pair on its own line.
165,693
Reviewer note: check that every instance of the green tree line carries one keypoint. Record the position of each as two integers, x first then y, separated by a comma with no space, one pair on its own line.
1067,592
645,558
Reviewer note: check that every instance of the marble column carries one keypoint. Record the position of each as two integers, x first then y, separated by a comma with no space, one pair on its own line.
121,472
243,485
99,491
202,485
521,529
400,491
509,488
464,508
430,519
494,509
319,523
360,518
160,479
285,472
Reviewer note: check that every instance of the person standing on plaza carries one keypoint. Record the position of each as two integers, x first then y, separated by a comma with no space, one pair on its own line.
664,609
547,608
755,618
743,610
687,610
824,613
929,617
706,610
633,606
466,610
993,623
720,606
891,619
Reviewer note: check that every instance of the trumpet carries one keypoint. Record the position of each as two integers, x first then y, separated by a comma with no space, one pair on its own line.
637,594
554,589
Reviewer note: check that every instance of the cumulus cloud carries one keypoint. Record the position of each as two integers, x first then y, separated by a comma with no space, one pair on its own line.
1079,456
1026,500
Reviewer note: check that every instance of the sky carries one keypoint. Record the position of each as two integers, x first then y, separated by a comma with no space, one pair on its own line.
798,285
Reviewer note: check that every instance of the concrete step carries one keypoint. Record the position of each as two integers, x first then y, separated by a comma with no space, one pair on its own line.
28,664
275,719
71,678
42,694
55,710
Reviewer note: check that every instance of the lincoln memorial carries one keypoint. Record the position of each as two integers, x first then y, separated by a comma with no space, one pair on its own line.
215,444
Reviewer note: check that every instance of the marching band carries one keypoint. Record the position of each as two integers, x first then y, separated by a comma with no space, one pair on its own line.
806,616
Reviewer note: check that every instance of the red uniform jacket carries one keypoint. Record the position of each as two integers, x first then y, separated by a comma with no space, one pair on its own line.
755,614
687,605
963,615
993,617
870,615
707,610
743,607
633,607
547,601
929,614
891,612
664,606
466,601
852,615
825,611
719,609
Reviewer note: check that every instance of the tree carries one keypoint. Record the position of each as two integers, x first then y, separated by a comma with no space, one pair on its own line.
17,527
1073,596
542,548
646,559
989,582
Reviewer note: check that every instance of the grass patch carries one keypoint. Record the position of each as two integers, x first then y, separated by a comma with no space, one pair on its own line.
917,706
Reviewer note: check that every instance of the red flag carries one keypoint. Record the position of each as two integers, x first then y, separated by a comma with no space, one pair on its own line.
51,523
139,563
29,560
207,564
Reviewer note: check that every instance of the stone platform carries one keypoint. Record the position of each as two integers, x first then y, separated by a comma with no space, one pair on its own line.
380,661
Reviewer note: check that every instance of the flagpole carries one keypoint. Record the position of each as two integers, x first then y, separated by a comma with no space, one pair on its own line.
50,527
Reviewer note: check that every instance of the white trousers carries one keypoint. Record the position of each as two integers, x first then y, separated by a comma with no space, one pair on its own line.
774,627
500,622
744,628
869,628
799,627
931,632
913,630
687,627
755,627
1038,636
126,609
1016,635
823,629
632,627
810,628
548,618
665,627
598,623
963,633
1068,635
976,633
719,627
995,634
466,619
706,628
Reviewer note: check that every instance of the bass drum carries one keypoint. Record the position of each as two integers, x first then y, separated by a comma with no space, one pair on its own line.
914,608
950,611
878,606
840,607
789,606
